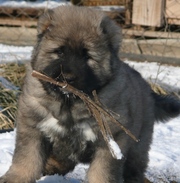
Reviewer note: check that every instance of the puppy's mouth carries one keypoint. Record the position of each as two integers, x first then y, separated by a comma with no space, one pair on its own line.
66,79
69,78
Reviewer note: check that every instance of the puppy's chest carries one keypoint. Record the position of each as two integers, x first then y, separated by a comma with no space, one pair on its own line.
71,122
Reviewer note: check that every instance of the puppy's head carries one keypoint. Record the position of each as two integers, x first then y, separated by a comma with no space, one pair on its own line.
76,45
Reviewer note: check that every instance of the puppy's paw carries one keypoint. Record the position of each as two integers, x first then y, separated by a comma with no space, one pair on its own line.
13,179
4,179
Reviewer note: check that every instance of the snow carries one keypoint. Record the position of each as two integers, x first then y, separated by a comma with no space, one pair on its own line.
10,53
115,149
6,150
165,149
160,74
52,4
37,4
165,153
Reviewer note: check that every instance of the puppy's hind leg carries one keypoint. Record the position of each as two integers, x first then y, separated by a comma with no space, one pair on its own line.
105,169
138,156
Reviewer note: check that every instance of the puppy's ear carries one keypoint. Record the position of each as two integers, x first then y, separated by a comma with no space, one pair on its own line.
44,22
113,33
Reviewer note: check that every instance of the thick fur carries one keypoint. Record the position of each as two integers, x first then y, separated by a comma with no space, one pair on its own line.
55,131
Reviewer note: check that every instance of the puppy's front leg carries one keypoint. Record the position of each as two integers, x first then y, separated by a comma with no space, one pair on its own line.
104,168
28,156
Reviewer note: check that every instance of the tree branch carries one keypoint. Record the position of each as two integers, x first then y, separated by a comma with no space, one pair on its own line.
95,107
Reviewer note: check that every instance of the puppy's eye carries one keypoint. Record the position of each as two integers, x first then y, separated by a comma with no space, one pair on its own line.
60,53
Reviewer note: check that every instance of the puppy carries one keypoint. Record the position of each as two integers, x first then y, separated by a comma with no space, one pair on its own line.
55,130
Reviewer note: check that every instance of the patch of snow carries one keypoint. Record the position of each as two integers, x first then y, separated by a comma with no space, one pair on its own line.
57,178
115,149
53,4
14,54
165,153
7,145
79,173
36,4
157,73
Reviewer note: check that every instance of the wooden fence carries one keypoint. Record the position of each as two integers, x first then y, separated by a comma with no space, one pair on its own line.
151,28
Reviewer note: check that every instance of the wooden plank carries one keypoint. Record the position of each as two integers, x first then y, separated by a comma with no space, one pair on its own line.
29,20
160,47
150,58
172,9
128,13
25,11
131,32
20,36
130,45
157,47
18,22
148,12
102,2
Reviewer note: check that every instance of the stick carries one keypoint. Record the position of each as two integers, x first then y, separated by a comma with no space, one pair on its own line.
95,108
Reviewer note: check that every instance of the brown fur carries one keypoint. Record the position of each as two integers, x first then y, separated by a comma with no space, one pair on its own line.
53,165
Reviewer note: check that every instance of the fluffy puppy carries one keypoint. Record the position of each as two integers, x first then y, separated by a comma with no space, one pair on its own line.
55,130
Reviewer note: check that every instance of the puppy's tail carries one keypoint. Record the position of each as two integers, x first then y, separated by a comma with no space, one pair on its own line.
166,107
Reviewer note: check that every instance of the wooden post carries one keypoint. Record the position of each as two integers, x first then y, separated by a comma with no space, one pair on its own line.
148,12
128,12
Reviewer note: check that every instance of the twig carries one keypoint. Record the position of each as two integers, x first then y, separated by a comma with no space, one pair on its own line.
99,113
105,128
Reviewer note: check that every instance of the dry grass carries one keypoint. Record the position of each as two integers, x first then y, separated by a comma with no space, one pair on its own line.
8,108
14,73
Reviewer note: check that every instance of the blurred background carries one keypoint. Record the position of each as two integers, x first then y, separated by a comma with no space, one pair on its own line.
151,29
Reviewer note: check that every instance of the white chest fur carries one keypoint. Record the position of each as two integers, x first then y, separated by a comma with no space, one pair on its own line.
50,127
87,132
